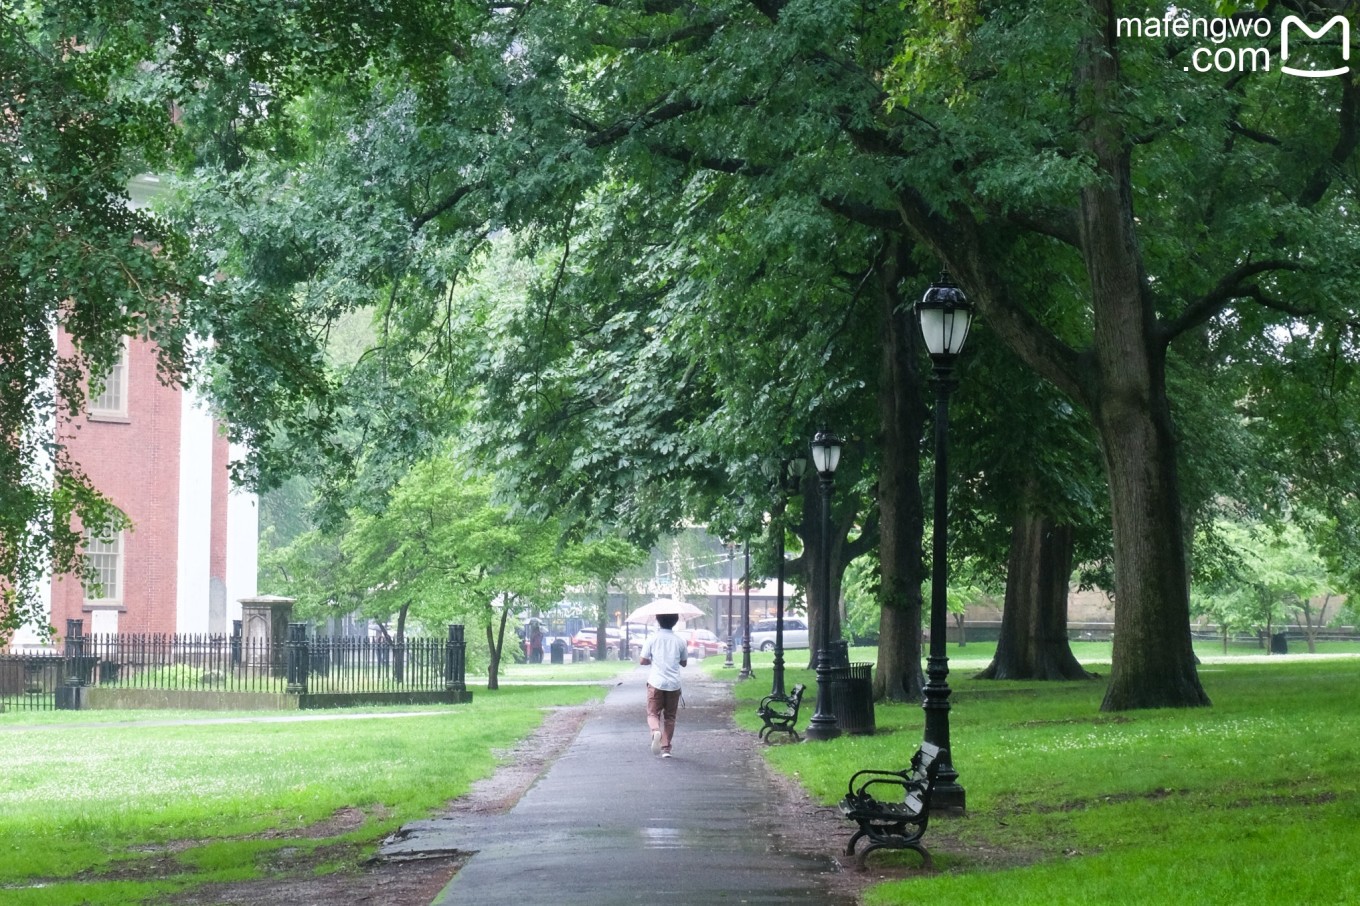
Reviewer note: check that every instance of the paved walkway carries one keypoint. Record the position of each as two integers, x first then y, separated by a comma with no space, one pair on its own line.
610,823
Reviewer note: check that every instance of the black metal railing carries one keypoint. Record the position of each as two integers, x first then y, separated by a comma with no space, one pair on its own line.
28,682
298,664
324,665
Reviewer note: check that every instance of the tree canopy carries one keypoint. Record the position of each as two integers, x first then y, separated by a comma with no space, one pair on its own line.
442,550
76,256
713,220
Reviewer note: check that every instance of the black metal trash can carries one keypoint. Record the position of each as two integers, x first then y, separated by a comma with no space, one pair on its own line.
557,651
1279,643
852,698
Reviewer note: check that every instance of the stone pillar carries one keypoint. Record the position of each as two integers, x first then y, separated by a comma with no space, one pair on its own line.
264,633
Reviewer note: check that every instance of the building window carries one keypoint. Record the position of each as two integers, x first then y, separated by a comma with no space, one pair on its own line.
112,402
105,559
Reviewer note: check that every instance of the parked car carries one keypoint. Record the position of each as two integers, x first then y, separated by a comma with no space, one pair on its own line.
701,642
613,639
795,634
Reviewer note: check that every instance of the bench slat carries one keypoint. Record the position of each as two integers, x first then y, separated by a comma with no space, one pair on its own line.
888,824
780,714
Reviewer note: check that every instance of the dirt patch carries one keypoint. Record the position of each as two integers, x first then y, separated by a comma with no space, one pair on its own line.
352,876
386,883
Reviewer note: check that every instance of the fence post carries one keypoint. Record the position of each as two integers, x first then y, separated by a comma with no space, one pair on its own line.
455,659
235,644
77,672
297,659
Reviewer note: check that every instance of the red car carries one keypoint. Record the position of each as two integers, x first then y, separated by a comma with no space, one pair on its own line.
701,642
613,638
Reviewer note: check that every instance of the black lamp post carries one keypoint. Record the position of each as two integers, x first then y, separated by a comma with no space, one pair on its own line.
790,476
944,314
826,455
746,671
731,550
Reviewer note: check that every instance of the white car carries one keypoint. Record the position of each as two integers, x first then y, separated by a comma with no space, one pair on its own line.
795,634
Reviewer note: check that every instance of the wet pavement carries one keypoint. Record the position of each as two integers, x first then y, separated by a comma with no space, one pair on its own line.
611,823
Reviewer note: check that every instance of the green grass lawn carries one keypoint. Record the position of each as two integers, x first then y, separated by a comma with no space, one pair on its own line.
86,796
1255,799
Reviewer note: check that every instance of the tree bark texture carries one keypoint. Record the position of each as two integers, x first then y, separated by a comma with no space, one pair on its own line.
901,514
494,665
1153,661
843,519
1033,643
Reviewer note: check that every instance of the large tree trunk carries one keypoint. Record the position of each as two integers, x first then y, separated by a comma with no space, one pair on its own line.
1033,643
844,513
900,511
1154,663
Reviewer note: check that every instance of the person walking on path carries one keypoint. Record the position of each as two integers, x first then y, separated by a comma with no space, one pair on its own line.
665,653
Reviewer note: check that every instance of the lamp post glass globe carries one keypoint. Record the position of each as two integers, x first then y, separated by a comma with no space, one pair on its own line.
945,316
826,453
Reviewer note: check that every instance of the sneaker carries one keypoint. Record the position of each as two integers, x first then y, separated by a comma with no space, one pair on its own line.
665,754
656,742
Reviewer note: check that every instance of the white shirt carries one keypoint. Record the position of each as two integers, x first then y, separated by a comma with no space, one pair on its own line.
666,650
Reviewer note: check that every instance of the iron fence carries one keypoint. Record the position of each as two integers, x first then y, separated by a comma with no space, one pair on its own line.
28,682
298,664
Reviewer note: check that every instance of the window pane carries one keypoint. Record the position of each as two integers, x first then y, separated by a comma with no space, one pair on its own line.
103,555
114,397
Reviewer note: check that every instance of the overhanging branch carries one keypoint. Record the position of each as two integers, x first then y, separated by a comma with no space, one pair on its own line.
660,113
958,246
1347,140
1230,286
446,204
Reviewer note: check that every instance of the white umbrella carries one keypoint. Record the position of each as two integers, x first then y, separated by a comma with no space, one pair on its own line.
649,610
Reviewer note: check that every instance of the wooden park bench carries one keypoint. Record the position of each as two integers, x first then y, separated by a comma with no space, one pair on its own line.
893,822
780,713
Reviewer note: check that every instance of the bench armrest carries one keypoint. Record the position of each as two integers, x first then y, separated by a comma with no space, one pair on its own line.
896,778
789,702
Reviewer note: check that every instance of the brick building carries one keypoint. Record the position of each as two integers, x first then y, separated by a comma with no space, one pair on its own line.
160,456
190,555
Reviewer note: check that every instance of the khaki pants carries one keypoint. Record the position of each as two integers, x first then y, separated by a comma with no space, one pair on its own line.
661,707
